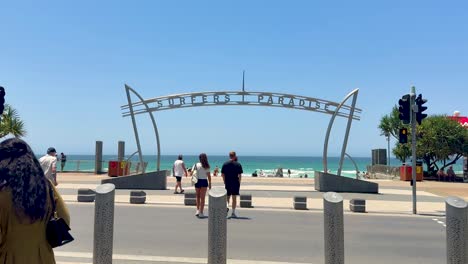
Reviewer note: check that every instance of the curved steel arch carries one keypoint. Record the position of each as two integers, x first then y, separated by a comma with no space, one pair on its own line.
223,98
354,93
140,155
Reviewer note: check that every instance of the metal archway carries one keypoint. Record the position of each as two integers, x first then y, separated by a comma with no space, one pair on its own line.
242,98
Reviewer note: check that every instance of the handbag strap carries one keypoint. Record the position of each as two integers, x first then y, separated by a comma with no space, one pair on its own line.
51,195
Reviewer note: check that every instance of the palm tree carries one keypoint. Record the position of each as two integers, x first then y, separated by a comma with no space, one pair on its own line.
11,124
385,130
390,126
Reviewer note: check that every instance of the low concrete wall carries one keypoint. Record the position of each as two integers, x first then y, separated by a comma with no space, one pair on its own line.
148,181
383,172
325,182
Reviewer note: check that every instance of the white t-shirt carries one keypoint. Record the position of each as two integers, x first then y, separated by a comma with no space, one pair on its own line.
201,172
178,169
47,163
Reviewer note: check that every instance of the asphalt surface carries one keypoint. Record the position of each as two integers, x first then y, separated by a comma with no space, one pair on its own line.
295,236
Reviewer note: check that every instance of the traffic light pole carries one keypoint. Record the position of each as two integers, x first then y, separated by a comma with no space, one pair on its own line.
413,143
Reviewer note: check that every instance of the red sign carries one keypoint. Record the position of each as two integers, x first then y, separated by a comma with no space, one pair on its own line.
462,120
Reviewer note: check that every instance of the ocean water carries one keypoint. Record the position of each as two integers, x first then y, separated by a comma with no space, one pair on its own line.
299,166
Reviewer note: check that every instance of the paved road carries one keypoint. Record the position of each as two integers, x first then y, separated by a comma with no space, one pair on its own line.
295,236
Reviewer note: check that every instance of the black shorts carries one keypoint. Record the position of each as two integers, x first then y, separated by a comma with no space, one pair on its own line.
179,178
232,188
201,183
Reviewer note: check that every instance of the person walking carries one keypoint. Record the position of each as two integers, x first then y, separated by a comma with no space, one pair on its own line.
178,170
451,176
232,176
63,160
49,165
23,221
204,181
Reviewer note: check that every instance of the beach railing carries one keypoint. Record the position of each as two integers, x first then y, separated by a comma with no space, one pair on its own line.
88,166
80,166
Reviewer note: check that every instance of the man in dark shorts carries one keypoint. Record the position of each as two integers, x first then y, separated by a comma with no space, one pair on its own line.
232,175
178,170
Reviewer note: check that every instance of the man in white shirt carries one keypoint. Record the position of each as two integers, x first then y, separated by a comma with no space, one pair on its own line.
178,170
49,165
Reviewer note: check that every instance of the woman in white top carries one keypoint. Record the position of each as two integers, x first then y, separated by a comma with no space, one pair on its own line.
204,181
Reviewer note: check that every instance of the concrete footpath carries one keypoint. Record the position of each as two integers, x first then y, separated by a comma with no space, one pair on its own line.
395,197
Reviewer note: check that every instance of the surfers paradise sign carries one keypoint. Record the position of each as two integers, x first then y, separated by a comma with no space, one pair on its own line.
242,98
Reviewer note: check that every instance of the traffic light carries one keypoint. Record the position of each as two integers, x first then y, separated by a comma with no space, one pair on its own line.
403,138
405,112
2,100
419,114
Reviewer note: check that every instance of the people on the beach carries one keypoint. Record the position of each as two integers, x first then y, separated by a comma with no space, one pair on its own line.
232,177
441,175
179,170
289,173
63,160
49,165
25,206
451,174
204,181
216,171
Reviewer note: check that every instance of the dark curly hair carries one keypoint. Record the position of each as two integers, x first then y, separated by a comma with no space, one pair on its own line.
22,173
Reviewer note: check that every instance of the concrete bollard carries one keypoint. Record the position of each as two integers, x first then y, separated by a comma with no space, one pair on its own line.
246,201
300,203
357,205
86,195
98,158
456,210
120,150
137,197
190,198
333,228
104,224
217,226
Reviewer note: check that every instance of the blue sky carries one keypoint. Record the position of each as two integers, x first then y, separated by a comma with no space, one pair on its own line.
64,65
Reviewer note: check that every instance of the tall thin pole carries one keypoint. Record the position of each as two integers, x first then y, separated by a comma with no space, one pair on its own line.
243,81
388,149
243,85
413,143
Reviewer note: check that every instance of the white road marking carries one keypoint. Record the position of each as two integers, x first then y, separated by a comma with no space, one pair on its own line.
439,222
88,255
